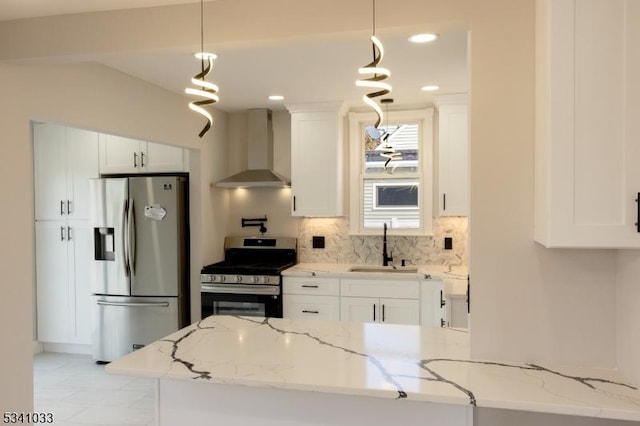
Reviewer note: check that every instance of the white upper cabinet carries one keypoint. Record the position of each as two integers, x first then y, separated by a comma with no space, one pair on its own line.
64,160
317,159
453,155
125,155
587,123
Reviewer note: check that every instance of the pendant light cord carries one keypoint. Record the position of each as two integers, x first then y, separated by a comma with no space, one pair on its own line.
202,33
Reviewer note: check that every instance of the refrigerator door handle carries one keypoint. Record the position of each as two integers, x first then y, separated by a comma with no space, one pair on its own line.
135,304
131,237
125,242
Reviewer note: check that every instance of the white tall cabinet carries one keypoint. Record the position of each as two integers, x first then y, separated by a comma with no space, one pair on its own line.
64,160
317,159
587,123
453,155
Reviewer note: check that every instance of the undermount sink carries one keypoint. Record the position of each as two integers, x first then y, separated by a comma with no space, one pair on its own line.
393,269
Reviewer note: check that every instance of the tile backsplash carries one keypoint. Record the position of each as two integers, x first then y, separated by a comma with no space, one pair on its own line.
340,247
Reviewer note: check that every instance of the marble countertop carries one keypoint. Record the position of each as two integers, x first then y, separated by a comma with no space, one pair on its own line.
454,277
376,360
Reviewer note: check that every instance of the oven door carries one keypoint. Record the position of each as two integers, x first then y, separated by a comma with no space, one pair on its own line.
243,300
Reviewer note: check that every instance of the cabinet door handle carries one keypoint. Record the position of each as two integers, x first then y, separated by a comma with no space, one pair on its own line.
374,312
68,233
294,203
638,213
69,206
142,159
442,301
309,286
444,201
135,160
304,311
383,312
442,323
62,233
61,208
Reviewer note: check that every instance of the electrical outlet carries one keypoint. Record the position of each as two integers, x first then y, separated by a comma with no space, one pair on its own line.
448,243
317,242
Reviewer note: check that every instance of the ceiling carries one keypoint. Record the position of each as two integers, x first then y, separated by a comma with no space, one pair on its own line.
303,70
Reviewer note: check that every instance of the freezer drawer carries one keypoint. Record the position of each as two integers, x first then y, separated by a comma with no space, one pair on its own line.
123,324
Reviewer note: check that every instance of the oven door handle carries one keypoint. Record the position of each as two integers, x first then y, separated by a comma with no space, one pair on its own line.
241,289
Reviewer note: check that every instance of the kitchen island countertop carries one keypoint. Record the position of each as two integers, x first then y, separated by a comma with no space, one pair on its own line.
398,362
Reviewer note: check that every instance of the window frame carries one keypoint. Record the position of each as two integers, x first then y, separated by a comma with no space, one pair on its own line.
376,206
357,122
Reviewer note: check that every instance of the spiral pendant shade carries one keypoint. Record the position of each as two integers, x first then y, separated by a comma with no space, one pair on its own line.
205,90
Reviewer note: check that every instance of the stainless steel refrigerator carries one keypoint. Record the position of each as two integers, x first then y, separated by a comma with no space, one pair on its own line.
140,271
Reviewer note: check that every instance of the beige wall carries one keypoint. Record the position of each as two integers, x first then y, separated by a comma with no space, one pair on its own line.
528,303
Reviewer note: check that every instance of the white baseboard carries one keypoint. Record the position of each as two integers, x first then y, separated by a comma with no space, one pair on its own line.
69,348
37,348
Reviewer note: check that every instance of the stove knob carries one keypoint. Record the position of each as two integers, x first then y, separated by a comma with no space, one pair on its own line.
212,278
265,280
254,279
238,278
223,278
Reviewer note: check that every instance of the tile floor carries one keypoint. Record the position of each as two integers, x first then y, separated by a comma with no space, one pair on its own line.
79,392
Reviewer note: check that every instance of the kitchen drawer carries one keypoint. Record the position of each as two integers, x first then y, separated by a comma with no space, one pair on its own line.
311,286
297,306
398,289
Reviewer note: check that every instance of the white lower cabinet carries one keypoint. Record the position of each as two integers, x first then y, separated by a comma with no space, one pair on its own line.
390,301
62,274
433,304
457,314
298,306
375,300
311,298
371,309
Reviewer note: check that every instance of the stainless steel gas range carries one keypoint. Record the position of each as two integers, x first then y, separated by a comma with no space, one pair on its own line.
248,282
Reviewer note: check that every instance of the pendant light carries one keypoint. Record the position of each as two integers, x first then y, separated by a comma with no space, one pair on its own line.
205,90
387,151
376,81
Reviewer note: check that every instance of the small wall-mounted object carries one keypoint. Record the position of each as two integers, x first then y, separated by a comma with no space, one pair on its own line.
317,242
255,222
448,243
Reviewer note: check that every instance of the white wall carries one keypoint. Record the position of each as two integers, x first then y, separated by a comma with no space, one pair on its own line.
628,314
86,96
528,303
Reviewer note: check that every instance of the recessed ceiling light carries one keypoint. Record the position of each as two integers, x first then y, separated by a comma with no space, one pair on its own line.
276,97
423,38
429,88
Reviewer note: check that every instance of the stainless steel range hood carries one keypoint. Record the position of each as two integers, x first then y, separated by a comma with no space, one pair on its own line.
260,152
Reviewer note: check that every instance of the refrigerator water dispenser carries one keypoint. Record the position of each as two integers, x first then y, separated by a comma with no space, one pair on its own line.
104,244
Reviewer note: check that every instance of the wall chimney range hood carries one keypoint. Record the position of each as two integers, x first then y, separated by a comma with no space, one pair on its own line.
260,173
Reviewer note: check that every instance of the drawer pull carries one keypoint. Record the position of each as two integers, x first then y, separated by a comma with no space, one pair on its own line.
309,286
304,311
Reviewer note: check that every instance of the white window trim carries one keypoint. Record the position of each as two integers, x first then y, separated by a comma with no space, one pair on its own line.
357,121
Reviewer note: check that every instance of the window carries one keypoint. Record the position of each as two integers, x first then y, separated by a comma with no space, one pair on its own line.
395,191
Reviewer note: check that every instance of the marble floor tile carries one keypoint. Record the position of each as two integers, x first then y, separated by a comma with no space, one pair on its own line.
80,393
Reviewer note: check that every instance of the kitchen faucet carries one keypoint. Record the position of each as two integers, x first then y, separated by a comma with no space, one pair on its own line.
385,257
